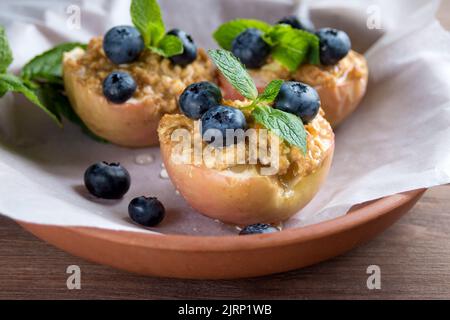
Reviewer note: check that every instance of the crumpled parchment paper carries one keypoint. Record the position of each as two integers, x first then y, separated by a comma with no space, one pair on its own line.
398,139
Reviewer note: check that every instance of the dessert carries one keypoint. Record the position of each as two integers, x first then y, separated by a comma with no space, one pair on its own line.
292,50
246,193
117,87
122,84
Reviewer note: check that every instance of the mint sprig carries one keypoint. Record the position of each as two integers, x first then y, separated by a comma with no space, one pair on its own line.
270,92
41,82
290,47
169,46
285,125
12,83
147,18
6,56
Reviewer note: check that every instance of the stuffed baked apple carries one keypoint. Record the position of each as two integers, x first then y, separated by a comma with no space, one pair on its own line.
118,86
291,50
256,160
122,84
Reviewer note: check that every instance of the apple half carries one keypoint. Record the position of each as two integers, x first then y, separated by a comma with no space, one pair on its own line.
135,122
244,197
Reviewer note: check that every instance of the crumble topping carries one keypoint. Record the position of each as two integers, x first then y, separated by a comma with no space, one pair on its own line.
351,67
158,80
293,164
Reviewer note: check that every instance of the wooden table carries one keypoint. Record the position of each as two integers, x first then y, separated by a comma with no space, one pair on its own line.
414,257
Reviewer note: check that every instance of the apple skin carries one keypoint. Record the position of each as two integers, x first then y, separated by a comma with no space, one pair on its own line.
127,124
242,199
339,97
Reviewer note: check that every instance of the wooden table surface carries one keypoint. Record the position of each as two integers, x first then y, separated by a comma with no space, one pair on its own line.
413,255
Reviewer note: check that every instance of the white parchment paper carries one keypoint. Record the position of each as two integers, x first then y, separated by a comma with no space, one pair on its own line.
398,139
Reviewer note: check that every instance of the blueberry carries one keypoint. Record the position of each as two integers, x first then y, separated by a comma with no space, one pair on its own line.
123,44
198,98
118,87
250,48
299,99
107,180
189,48
334,45
145,211
220,121
296,23
258,228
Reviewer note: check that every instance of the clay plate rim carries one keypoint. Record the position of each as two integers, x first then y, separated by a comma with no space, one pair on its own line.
359,215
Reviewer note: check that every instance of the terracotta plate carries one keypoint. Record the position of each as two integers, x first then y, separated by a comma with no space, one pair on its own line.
231,256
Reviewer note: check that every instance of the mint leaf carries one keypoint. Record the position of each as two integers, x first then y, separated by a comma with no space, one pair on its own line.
270,92
147,18
273,36
169,46
292,47
9,82
6,56
227,32
233,70
283,124
314,49
48,65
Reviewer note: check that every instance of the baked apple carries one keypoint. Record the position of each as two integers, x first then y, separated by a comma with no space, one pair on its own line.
323,60
269,187
127,118
122,83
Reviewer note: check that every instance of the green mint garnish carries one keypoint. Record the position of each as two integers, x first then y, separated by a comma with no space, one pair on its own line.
283,124
290,47
169,46
227,32
41,82
286,125
6,57
12,83
270,92
147,18
48,65
233,70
